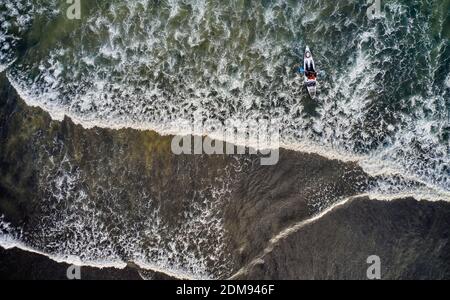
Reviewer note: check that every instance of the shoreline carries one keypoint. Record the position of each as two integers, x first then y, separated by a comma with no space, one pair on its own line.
307,147
38,265
16,263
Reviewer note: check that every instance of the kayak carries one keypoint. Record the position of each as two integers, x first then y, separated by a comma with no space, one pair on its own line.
310,79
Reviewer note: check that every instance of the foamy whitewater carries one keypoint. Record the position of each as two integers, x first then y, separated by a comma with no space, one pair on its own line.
384,84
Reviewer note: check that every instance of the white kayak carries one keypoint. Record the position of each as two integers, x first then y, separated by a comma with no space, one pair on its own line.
310,78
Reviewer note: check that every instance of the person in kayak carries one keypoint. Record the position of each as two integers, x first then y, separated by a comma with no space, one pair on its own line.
309,66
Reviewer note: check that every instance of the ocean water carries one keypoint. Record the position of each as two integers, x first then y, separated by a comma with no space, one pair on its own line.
384,84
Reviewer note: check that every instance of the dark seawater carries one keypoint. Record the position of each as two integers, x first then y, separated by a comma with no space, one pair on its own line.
384,90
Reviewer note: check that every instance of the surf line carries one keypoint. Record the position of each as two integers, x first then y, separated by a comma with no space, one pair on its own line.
58,114
289,231
7,65
304,146
9,243
296,227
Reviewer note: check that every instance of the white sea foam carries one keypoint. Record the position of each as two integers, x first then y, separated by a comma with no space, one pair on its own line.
7,242
374,164
73,231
